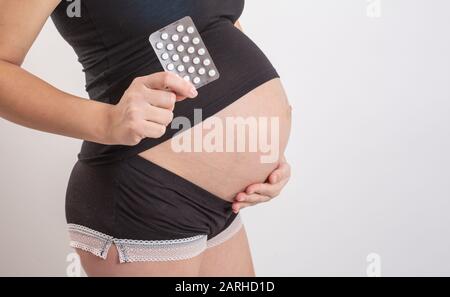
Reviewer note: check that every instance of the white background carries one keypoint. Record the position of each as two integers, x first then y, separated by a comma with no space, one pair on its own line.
369,148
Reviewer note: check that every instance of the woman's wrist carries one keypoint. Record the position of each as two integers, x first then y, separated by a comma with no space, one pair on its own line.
102,124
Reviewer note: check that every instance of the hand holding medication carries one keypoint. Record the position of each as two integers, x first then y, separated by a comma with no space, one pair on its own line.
181,50
146,108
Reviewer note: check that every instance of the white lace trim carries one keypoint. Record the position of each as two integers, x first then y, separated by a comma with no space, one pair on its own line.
158,242
140,251
130,251
88,231
102,253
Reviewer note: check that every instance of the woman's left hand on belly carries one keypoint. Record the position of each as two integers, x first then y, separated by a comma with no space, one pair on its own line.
259,193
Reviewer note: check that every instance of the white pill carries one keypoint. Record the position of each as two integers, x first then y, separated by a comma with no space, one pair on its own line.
191,50
207,62
212,72
197,80
180,28
170,67
186,59
175,37
159,45
180,48
191,69
187,78
175,57
190,30
201,51
201,71
170,47
165,56
180,68
196,40
196,60
164,36
185,39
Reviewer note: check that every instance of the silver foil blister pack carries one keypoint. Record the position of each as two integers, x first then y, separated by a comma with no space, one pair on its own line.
181,50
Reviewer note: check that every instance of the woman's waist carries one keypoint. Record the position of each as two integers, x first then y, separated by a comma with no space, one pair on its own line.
240,145
209,102
242,66
218,162
236,57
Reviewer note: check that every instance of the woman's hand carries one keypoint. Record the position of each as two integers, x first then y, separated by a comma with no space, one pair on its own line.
146,108
259,193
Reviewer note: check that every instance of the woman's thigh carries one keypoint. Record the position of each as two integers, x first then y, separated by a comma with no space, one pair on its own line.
231,258
111,267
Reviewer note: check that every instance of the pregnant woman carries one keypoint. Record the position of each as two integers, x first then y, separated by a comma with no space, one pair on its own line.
135,206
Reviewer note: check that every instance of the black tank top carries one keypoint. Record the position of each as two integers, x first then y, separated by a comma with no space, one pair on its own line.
111,42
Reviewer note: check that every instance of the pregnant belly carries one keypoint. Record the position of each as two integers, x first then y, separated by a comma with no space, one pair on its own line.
239,146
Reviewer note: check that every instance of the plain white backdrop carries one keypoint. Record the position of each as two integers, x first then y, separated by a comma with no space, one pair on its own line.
369,148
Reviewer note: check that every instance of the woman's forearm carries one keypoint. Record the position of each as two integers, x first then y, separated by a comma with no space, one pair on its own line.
29,101
238,25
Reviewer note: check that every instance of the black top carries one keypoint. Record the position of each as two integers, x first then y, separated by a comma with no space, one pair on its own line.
111,41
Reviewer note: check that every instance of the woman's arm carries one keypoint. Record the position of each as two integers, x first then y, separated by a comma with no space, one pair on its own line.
144,111
26,99
238,25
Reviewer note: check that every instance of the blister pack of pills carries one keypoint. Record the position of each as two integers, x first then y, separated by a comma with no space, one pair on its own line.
181,50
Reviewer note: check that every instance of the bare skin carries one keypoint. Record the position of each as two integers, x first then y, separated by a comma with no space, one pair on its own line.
111,267
144,111
227,173
231,258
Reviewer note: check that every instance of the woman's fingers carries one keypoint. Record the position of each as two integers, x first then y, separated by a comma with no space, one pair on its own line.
283,172
253,198
152,130
146,108
268,189
243,200
264,192
158,115
169,81
275,183
238,206
161,99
